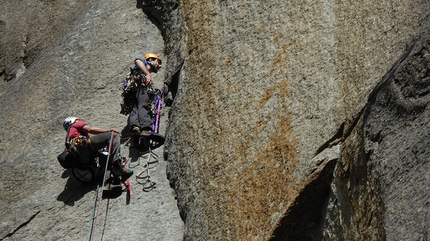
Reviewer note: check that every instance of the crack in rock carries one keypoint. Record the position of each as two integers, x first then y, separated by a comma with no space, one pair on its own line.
21,226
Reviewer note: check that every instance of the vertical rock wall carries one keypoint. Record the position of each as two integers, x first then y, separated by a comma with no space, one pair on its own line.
68,58
291,120
268,94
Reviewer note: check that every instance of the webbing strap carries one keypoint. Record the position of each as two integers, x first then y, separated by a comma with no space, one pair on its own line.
89,142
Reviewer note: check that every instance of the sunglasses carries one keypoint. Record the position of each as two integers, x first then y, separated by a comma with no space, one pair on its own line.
152,59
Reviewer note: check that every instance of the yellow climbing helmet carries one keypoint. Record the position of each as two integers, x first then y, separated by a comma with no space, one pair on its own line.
152,55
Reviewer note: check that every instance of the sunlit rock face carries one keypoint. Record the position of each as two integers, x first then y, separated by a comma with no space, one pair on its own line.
68,58
269,135
289,120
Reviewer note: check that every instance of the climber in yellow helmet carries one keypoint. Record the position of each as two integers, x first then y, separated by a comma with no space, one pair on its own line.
139,121
150,63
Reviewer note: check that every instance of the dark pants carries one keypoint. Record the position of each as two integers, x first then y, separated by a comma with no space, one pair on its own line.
98,142
140,114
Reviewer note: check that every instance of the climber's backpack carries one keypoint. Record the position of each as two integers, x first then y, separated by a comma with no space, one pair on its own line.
70,157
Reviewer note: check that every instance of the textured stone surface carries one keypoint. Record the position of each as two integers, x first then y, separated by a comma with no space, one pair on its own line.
267,92
397,131
62,58
377,192
291,120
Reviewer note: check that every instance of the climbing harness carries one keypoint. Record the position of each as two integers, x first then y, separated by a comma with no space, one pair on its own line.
80,141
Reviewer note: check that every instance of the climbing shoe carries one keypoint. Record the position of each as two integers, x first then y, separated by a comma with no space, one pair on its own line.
135,130
146,133
111,185
112,188
119,170
155,140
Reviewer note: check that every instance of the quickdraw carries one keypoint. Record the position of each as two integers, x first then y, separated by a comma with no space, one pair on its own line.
81,141
156,105
129,88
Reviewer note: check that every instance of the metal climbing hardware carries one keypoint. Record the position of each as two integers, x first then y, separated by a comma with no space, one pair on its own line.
133,80
156,104
73,144
129,88
79,141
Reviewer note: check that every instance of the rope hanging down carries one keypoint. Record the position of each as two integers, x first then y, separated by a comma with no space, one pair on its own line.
97,199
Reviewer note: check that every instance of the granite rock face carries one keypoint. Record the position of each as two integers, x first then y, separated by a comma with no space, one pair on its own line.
376,190
268,136
289,120
68,58
397,139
